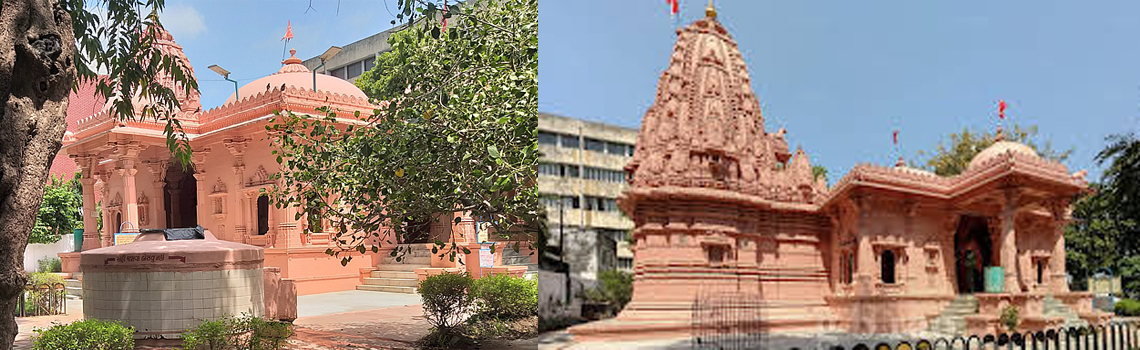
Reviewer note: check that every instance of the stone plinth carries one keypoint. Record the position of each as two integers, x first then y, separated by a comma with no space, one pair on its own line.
164,287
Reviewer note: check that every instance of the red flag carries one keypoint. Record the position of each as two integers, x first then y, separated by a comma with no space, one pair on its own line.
445,14
1001,109
896,137
288,32
673,6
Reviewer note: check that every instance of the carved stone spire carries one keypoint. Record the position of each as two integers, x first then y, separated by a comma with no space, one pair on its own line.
705,128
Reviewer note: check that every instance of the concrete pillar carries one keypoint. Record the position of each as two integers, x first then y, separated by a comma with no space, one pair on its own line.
1008,241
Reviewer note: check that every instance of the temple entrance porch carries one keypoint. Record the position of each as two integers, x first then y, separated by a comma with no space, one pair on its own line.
973,252
180,197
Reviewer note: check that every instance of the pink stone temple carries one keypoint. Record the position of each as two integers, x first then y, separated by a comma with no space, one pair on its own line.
127,166
722,206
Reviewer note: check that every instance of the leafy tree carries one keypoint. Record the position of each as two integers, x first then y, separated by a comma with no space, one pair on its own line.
1106,222
818,171
459,138
59,212
386,80
45,45
953,157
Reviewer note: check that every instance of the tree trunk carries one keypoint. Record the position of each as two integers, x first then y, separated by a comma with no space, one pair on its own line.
37,44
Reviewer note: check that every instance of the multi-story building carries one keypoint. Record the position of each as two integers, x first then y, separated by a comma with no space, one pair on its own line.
580,175
356,58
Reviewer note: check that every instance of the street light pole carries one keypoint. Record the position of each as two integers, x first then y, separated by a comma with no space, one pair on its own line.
226,75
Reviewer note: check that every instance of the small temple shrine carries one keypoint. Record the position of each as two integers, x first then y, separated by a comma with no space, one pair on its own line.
725,212
127,167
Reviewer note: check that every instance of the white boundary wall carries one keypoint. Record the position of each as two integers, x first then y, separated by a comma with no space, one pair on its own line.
34,252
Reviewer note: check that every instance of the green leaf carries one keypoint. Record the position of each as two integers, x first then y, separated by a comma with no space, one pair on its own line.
494,151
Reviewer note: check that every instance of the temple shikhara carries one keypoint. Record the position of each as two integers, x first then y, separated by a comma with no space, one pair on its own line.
723,207
127,167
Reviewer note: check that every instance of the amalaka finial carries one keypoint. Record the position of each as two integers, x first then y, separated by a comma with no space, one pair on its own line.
710,11
293,52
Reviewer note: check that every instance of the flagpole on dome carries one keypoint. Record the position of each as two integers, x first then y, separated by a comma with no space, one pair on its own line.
288,36
1001,121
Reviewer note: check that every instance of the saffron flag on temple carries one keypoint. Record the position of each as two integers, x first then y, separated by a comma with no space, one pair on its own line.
895,135
288,32
673,7
1001,109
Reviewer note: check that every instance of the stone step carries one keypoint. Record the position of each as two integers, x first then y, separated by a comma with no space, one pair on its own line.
400,267
393,274
393,282
414,260
390,289
74,288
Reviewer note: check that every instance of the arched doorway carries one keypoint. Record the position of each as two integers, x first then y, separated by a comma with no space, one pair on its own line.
973,252
181,199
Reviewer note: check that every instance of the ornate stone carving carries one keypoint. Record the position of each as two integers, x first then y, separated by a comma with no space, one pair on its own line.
259,177
219,187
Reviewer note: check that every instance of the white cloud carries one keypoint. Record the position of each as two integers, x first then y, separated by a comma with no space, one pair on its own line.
182,21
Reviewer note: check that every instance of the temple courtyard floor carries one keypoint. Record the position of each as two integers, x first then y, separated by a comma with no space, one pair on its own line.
328,321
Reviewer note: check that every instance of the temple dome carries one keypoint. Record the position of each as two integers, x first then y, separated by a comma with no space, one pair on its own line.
295,74
1000,148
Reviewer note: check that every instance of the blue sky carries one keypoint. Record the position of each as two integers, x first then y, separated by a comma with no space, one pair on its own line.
841,75
244,37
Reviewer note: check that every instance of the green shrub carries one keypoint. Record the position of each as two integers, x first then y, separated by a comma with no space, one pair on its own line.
446,304
49,264
38,278
84,335
1127,307
614,288
505,296
237,333
1009,318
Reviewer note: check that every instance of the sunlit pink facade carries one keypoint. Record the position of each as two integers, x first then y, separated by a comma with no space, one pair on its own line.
723,207
139,184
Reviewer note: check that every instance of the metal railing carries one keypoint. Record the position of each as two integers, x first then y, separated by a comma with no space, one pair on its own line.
1111,336
42,299
727,320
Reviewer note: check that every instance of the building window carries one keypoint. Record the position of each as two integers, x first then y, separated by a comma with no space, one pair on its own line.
625,263
629,150
887,260
716,254
550,169
369,63
569,141
595,145
570,170
339,73
615,148
262,215
546,138
353,70
1040,272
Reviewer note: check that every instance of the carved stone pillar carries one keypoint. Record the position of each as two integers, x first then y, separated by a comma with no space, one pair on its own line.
90,216
128,159
102,187
865,255
157,170
1058,276
199,161
1008,239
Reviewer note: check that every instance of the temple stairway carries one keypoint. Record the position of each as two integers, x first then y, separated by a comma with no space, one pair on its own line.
952,319
399,276
74,288
1056,308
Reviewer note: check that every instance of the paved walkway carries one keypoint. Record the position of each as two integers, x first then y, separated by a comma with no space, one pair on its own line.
27,324
352,300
